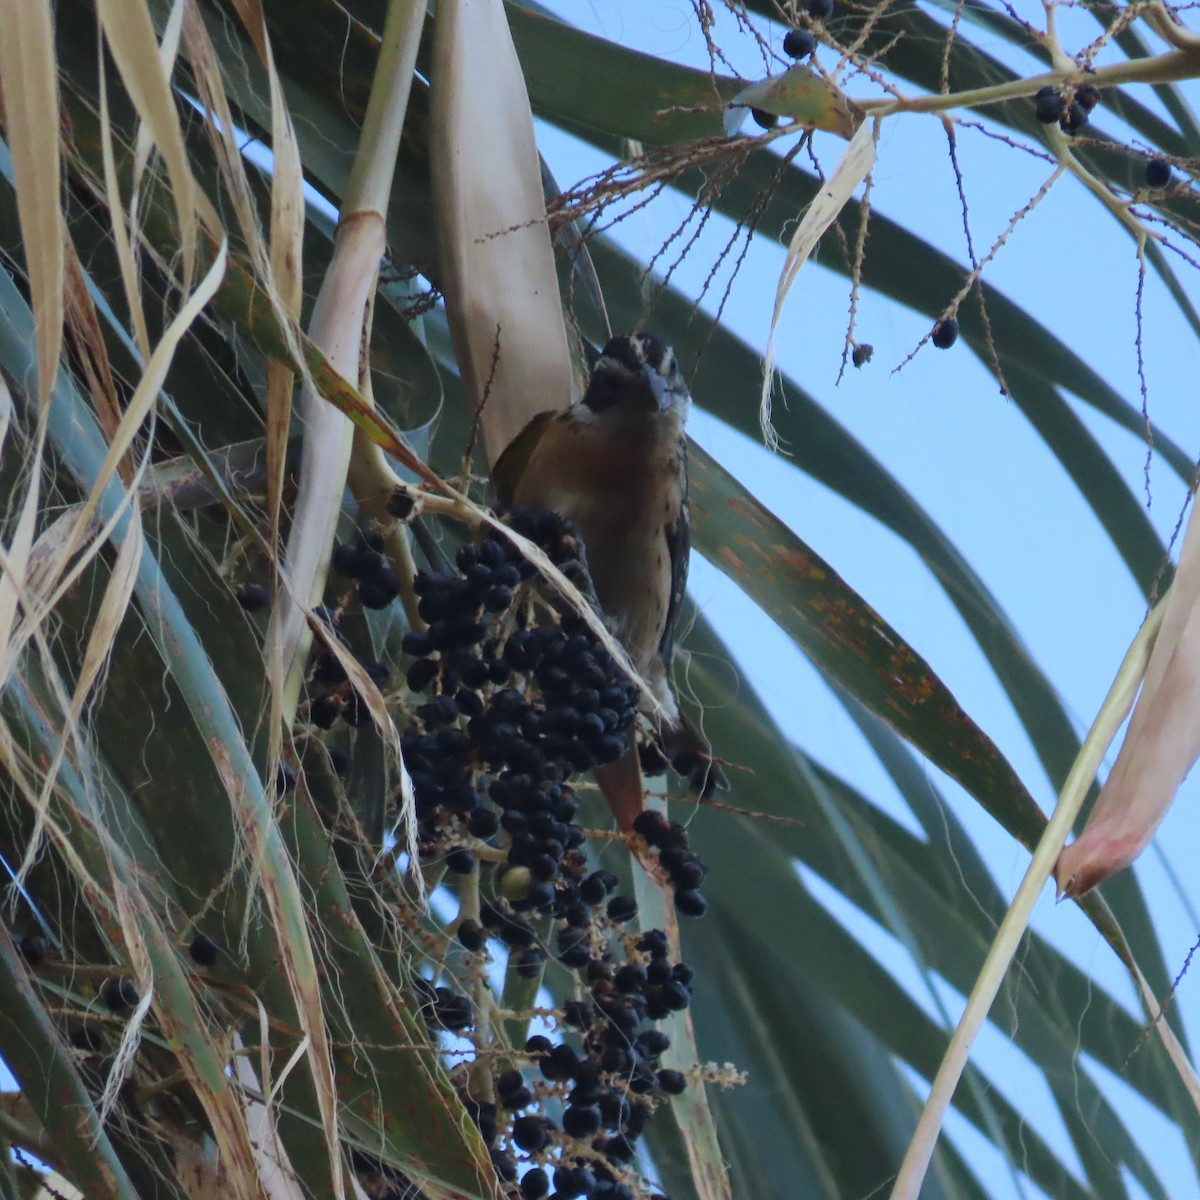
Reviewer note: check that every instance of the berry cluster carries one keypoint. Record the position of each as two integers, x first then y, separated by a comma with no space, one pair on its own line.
334,696
515,710
520,697
607,1087
685,869
364,562
1070,109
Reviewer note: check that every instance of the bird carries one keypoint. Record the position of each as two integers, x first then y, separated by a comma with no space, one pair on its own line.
615,465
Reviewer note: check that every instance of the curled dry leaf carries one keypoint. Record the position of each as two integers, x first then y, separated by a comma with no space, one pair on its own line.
852,168
495,255
799,93
1161,744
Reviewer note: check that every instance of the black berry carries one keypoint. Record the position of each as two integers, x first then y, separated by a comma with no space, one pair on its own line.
1075,118
253,597
798,43
33,948
415,643
471,936
674,1083
119,994
378,591
1158,173
505,1168
325,710
1048,105
530,1133
690,903
528,962
421,674
535,1184
203,950
945,333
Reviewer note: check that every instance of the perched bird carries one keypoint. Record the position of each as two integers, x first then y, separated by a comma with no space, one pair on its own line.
615,464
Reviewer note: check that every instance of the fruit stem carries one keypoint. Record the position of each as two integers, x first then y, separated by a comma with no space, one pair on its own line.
1169,67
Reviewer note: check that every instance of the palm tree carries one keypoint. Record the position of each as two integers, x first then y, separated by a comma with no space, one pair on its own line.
266,933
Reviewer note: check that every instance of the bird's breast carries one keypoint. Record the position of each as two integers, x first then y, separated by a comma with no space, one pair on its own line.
622,492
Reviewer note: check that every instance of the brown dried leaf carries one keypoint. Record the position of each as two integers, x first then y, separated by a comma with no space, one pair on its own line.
1160,746
497,264
29,80
853,167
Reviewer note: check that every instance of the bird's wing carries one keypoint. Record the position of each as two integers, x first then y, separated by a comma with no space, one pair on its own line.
510,466
679,545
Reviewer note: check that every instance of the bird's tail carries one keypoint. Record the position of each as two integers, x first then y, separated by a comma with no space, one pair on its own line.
621,784
690,756
683,748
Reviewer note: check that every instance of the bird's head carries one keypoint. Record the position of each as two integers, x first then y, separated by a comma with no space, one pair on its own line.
638,372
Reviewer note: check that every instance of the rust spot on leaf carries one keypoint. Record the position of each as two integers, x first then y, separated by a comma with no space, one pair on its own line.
751,512
734,562
800,562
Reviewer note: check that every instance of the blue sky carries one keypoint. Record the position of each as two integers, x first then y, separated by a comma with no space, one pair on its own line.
970,457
